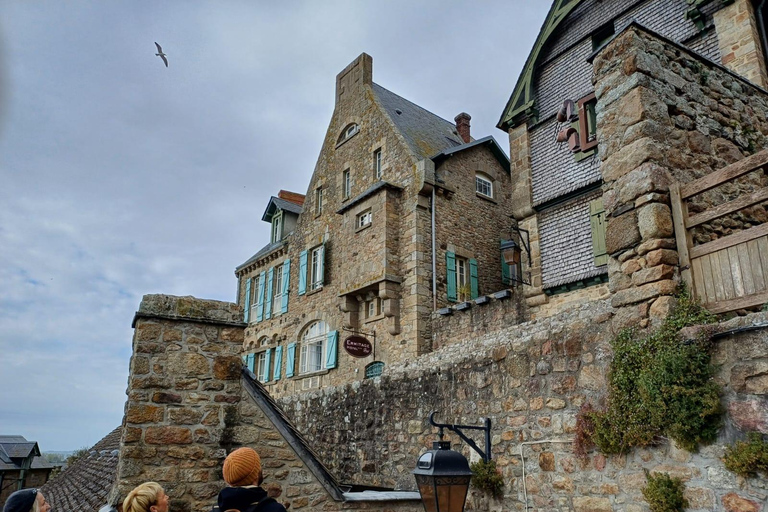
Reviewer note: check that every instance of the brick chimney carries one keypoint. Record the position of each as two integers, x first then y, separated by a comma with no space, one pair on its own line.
291,196
462,126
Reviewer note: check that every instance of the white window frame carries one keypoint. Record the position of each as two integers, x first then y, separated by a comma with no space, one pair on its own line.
377,164
277,288
318,200
372,308
313,346
316,257
346,183
277,226
483,185
254,296
462,278
364,219
261,363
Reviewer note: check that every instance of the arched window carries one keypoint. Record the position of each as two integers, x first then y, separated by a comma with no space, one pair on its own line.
483,185
313,341
348,131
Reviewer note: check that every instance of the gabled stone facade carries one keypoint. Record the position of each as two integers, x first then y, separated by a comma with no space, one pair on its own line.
394,195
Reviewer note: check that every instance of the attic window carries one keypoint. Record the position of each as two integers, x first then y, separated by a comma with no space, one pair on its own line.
602,35
348,132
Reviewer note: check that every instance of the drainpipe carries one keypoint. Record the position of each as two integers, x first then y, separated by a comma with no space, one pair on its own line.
434,254
761,22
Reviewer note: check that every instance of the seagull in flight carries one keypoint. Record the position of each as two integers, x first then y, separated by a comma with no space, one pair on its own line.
161,54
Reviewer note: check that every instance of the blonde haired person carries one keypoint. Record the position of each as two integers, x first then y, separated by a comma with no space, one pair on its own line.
147,497
26,500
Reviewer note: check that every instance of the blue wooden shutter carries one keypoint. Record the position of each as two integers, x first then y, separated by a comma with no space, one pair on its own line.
303,273
286,282
251,359
245,359
260,299
331,350
247,311
506,274
278,362
450,263
321,273
473,279
290,360
268,298
267,358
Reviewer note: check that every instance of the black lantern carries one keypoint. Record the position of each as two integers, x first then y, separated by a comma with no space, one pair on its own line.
442,476
511,252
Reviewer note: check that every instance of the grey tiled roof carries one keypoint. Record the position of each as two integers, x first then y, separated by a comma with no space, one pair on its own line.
369,192
84,486
276,202
425,133
488,141
262,252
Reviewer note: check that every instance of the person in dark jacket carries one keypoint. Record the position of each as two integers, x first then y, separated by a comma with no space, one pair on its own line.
242,472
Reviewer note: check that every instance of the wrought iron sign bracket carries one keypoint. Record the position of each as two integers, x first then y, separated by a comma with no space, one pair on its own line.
457,429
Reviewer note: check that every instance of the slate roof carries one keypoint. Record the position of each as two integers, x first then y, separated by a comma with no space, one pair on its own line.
84,486
485,141
276,202
367,193
262,252
14,449
425,133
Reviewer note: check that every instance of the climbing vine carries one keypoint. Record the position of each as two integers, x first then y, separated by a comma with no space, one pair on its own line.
659,385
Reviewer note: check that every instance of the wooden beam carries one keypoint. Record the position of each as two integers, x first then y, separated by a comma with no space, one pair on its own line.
730,172
739,303
729,241
682,237
729,207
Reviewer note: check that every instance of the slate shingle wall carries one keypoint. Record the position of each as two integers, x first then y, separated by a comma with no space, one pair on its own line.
566,242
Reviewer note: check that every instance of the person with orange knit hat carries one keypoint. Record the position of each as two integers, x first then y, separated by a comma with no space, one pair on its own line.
242,472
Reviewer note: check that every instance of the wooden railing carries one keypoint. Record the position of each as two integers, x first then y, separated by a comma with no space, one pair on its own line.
731,272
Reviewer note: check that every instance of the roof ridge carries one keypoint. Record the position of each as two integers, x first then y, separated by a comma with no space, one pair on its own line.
415,104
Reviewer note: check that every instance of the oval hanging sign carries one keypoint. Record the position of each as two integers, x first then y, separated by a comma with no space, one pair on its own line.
357,346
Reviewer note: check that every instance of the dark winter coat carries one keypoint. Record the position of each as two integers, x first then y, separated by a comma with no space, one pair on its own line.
247,499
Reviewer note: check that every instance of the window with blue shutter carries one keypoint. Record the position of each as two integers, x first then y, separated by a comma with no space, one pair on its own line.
260,299
278,362
247,311
286,282
303,273
473,286
251,360
332,349
268,298
290,360
267,358
450,262
506,271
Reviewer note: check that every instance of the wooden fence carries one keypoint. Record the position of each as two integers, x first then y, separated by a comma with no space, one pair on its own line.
731,272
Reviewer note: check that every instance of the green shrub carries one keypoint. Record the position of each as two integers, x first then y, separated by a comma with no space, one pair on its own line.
660,386
747,458
664,494
487,478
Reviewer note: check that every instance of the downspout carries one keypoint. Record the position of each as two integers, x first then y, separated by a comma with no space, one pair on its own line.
763,35
434,253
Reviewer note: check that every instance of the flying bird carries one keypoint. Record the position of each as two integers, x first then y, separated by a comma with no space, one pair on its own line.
161,54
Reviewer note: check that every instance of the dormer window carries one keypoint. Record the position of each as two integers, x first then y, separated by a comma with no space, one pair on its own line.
277,226
348,132
483,185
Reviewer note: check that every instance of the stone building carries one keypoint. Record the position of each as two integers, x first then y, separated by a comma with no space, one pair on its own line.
404,214
553,118
21,465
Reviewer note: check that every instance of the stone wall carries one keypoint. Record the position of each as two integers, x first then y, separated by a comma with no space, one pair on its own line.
530,380
183,390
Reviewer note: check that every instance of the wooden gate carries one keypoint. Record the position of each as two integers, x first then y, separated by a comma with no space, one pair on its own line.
731,272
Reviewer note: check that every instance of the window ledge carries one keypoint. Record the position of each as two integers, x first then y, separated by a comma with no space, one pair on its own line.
374,318
316,290
311,374
366,226
487,198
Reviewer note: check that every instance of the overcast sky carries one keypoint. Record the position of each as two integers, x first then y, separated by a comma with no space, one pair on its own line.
121,177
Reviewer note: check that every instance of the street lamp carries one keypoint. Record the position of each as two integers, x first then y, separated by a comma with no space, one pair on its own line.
512,252
443,475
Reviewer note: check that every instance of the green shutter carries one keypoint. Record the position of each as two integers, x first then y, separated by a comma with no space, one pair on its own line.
267,360
290,360
331,350
247,312
450,274
474,292
268,298
278,362
286,282
303,273
597,221
260,298
506,274
251,359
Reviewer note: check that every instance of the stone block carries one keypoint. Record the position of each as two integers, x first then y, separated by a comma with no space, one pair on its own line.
138,413
168,435
651,245
547,461
652,274
735,503
188,364
592,377
750,378
642,293
148,331
166,398
749,415
185,416
630,157
700,498
592,504
227,367
661,308
655,221
622,232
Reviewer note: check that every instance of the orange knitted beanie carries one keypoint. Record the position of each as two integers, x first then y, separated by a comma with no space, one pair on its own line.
242,467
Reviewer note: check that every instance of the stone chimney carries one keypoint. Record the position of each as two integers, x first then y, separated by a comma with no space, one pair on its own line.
352,79
462,126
